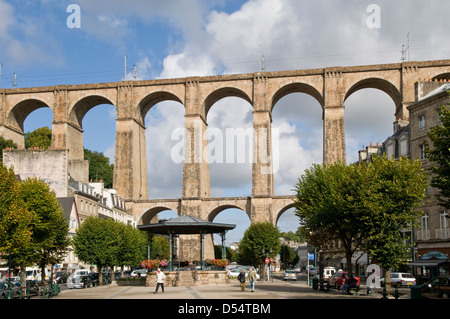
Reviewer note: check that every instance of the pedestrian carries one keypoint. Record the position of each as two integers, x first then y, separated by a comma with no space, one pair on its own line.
241,278
160,276
343,282
252,277
351,283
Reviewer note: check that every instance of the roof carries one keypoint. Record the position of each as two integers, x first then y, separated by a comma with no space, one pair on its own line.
186,225
427,262
66,205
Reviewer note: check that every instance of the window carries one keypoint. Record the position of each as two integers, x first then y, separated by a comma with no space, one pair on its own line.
443,217
424,222
403,147
422,155
421,122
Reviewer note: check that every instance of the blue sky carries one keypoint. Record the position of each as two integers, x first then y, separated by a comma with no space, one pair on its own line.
177,38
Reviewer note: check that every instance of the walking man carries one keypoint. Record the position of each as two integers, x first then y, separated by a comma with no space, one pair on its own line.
241,278
252,277
159,280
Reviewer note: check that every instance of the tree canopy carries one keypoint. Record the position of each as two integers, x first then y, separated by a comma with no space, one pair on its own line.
41,137
260,240
4,144
99,167
49,227
366,206
439,153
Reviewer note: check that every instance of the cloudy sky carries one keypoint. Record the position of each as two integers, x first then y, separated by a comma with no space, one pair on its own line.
46,43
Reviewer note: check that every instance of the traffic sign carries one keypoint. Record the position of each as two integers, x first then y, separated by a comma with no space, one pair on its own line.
311,256
267,260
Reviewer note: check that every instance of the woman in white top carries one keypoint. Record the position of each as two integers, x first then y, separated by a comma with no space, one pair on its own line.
159,280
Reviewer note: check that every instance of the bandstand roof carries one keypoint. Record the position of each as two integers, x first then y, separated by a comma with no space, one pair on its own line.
186,225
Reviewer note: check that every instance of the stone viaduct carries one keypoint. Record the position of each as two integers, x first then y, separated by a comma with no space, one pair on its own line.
133,99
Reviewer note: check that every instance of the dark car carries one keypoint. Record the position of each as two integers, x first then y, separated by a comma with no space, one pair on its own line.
438,287
4,290
90,280
61,277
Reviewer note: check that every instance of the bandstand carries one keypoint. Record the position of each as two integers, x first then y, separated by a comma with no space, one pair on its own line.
189,225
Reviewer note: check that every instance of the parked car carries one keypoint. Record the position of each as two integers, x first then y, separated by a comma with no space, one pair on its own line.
336,279
139,273
75,280
235,272
438,287
290,274
4,290
90,280
399,279
61,277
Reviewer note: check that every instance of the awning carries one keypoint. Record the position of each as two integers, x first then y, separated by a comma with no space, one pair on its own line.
428,262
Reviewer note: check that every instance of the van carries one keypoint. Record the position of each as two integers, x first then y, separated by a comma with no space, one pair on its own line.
34,274
328,272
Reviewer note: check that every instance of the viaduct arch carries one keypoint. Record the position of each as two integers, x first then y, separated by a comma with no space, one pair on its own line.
132,100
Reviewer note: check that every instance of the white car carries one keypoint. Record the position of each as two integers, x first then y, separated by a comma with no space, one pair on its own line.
235,272
74,280
139,273
399,279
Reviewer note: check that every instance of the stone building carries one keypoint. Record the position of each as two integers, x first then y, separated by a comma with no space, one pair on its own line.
432,237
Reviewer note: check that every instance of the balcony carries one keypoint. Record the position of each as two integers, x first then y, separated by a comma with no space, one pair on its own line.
442,233
422,234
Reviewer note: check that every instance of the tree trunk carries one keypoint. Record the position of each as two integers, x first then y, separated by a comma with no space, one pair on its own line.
100,276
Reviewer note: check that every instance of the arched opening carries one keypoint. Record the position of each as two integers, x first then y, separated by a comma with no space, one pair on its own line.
230,146
369,117
41,118
297,135
27,116
162,121
95,116
230,215
155,214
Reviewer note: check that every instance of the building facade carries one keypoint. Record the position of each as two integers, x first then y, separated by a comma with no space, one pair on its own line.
432,237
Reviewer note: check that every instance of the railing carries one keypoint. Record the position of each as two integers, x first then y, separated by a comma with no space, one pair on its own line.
423,234
442,233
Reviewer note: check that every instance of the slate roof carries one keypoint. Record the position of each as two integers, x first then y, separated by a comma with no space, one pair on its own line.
186,225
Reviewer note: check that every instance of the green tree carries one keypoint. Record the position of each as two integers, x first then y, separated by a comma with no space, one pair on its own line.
160,247
49,226
397,189
288,256
15,218
364,206
4,144
99,167
260,240
41,137
331,202
98,241
133,246
439,153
